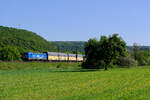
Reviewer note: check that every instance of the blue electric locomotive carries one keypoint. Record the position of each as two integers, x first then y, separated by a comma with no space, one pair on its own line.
29,56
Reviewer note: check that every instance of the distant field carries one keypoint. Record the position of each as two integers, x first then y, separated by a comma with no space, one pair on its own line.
46,81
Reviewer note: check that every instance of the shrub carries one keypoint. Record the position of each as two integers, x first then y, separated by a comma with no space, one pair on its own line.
142,60
127,61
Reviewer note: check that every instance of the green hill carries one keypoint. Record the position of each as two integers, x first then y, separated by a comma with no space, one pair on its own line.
69,45
25,39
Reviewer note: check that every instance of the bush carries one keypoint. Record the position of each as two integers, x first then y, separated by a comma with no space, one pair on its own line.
127,61
9,54
142,59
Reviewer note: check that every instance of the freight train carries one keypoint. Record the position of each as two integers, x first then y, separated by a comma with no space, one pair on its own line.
53,56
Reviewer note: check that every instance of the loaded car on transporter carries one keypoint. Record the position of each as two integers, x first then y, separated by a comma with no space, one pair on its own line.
53,56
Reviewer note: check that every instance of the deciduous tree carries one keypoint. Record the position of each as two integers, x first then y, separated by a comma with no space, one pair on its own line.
103,52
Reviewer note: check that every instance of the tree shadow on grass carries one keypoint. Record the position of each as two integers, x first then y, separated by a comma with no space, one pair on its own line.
74,70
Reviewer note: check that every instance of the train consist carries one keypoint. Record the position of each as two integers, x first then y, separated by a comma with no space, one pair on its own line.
53,56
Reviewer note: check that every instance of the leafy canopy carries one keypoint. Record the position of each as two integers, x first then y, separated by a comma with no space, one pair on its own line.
10,54
100,53
24,39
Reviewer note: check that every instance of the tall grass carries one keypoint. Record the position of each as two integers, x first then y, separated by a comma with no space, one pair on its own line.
69,82
36,65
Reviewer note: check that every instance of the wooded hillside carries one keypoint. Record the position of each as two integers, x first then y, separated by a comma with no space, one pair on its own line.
24,39
70,46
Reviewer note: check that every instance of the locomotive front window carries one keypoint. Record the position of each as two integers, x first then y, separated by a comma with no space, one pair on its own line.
25,55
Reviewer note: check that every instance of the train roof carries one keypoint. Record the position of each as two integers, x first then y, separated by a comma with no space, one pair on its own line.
63,54
32,53
80,55
72,55
56,54
52,53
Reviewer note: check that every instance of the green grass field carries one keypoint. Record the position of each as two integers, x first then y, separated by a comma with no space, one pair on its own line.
46,81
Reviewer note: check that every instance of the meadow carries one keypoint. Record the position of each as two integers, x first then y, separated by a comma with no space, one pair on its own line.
67,81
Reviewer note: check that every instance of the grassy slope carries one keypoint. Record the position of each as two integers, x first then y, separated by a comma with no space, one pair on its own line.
51,83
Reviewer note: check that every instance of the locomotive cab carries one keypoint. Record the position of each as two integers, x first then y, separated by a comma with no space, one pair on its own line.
25,56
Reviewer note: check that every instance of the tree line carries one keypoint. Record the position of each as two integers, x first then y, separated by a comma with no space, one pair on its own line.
112,50
69,46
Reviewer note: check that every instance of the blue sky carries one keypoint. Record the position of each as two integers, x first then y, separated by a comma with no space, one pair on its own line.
79,20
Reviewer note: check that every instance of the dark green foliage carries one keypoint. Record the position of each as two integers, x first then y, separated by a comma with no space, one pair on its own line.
70,46
94,64
10,54
24,39
104,51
